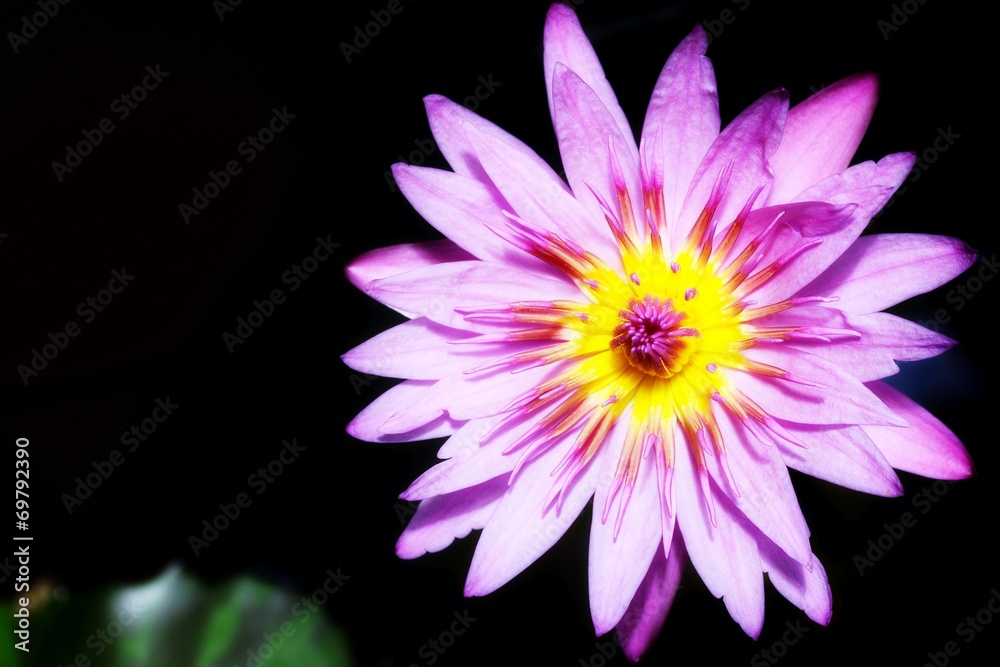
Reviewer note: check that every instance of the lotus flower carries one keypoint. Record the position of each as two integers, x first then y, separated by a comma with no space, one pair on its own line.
666,332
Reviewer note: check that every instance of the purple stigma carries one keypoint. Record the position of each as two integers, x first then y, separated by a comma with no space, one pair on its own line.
651,336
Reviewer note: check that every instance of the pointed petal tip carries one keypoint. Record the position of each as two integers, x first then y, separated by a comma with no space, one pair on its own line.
560,11
435,100
634,654
473,588
353,429
405,550
864,82
349,358
696,40
959,467
355,273
903,159
601,626
862,88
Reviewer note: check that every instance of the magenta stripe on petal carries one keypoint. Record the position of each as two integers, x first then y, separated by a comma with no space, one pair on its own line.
746,143
684,109
867,186
841,399
464,210
766,496
882,340
584,129
436,291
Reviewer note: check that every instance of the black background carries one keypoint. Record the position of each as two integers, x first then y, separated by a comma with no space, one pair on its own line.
324,176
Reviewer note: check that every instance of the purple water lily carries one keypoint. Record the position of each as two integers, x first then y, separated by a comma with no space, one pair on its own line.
666,332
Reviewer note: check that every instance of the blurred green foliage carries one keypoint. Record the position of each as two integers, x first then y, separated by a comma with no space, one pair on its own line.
176,621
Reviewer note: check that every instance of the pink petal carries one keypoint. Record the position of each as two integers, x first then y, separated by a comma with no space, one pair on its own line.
822,134
884,339
463,209
469,396
473,464
447,120
645,616
845,456
684,109
804,585
522,529
418,350
725,555
618,566
799,223
442,519
867,186
583,129
926,448
533,190
368,424
566,43
746,143
881,270
436,291
840,400
396,259
766,496
467,438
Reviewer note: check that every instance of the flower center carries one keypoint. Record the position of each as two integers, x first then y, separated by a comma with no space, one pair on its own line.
651,336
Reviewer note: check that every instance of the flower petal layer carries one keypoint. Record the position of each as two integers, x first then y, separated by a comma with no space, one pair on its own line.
684,113
881,270
648,609
822,134
566,43
927,447
436,291
396,259
843,455
722,546
524,524
440,520
620,554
